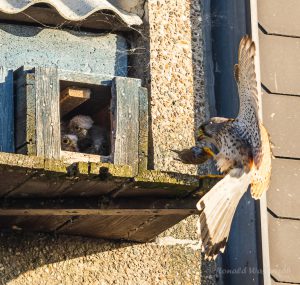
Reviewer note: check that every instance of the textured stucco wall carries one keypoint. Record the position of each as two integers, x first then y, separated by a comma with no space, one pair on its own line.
176,67
177,107
38,259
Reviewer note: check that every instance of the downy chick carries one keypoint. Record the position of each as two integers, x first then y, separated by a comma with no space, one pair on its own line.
69,142
91,138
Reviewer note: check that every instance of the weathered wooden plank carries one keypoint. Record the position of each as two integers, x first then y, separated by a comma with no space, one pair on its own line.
6,111
280,63
55,178
15,170
125,121
143,129
47,112
33,223
102,179
21,161
285,183
71,157
285,249
52,181
133,228
88,78
281,116
29,176
72,97
160,184
280,17
109,227
25,112
43,184
101,206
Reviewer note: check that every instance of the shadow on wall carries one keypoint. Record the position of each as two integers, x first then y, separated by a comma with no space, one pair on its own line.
204,98
203,76
22,252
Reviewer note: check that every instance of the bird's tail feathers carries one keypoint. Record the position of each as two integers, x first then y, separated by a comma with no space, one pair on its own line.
218,207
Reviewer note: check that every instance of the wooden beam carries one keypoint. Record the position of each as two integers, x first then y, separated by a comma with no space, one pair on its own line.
47,112
125,117
143,130
25,111
94,206
6,110
72,97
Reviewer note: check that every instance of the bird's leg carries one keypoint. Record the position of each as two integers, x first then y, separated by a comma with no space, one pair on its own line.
223,162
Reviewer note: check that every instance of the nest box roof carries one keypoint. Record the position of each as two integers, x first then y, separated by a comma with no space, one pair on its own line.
71,10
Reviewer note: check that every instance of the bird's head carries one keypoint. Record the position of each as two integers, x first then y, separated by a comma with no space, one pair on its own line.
69,143
79,125
210,129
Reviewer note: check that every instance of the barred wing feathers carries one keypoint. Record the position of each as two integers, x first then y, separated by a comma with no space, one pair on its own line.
247,122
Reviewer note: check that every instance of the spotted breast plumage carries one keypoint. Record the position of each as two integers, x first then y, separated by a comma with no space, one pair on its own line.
244,156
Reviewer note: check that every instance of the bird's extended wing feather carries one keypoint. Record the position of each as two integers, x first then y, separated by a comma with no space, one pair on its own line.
218,207
262,175
247,122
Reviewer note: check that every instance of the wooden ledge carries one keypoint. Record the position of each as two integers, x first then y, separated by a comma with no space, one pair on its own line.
94,199
98,206
24,176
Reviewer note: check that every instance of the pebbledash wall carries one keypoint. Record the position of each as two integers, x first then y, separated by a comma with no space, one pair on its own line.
177,106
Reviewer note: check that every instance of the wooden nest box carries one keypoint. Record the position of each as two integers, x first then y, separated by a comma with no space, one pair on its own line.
50,76
46,98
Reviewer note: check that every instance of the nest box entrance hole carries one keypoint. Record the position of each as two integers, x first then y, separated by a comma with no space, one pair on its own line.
85,118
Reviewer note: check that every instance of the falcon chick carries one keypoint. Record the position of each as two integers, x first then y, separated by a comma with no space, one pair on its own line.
99,141
244,155
79,126
91,138
69,142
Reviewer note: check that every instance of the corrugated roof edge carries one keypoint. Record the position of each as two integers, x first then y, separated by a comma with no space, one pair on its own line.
71,10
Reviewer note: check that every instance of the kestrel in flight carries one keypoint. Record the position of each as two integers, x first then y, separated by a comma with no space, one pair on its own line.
244,156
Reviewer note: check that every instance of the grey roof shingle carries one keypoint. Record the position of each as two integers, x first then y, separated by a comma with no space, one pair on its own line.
70,9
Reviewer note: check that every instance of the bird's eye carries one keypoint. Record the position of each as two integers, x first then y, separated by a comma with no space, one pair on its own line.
77,128
65,141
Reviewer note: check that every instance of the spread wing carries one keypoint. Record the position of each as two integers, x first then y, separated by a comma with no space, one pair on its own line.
218,207
247,122
261,176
